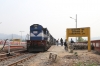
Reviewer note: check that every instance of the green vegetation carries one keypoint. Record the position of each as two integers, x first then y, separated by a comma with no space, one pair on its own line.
76,54
80,39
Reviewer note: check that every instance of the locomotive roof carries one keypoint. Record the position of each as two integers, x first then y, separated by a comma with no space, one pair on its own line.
36,24
46,29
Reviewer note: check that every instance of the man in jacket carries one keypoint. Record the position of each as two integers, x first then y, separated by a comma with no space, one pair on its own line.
65,45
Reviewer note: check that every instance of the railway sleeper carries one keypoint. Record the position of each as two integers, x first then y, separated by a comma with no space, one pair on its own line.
20,65
20,61
3,59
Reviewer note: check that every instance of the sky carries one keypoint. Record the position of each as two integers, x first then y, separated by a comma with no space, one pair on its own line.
18,15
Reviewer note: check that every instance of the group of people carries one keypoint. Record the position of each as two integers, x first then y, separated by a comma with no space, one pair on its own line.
63,43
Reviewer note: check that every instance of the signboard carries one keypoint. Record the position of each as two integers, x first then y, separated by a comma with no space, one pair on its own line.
78,32
16,39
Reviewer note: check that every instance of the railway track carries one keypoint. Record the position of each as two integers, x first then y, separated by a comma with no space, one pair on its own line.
21,60
17,60
5,56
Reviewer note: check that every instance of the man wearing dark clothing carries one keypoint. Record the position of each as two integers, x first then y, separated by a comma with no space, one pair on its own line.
72,41
61,40
65,45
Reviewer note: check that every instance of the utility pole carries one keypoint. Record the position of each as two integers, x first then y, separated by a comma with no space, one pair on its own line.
21,34
12,37
76,23
76,20
28,36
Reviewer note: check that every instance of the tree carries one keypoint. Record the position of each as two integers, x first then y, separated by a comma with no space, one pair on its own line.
80,39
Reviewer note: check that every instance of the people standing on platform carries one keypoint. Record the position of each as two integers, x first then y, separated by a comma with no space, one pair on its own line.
65,45
61,41
72,41
57,42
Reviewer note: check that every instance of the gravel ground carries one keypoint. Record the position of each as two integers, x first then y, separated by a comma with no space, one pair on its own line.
64,58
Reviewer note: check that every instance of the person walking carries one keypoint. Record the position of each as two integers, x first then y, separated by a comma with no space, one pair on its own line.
57,42
65,45
61,41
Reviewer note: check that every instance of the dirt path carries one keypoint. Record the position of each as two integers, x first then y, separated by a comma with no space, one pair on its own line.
64,58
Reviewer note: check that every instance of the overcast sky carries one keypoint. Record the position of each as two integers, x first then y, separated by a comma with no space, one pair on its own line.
18,15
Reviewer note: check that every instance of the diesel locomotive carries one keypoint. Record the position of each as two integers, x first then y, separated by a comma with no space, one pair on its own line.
40,39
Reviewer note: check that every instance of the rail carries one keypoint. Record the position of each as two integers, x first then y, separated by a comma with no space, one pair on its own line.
21,61
4,56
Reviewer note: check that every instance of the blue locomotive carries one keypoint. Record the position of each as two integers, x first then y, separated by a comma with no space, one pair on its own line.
40,39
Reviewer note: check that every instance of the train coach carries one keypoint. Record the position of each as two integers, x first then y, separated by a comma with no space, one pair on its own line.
40,38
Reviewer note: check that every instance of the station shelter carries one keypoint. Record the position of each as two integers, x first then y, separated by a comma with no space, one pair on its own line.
79,32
